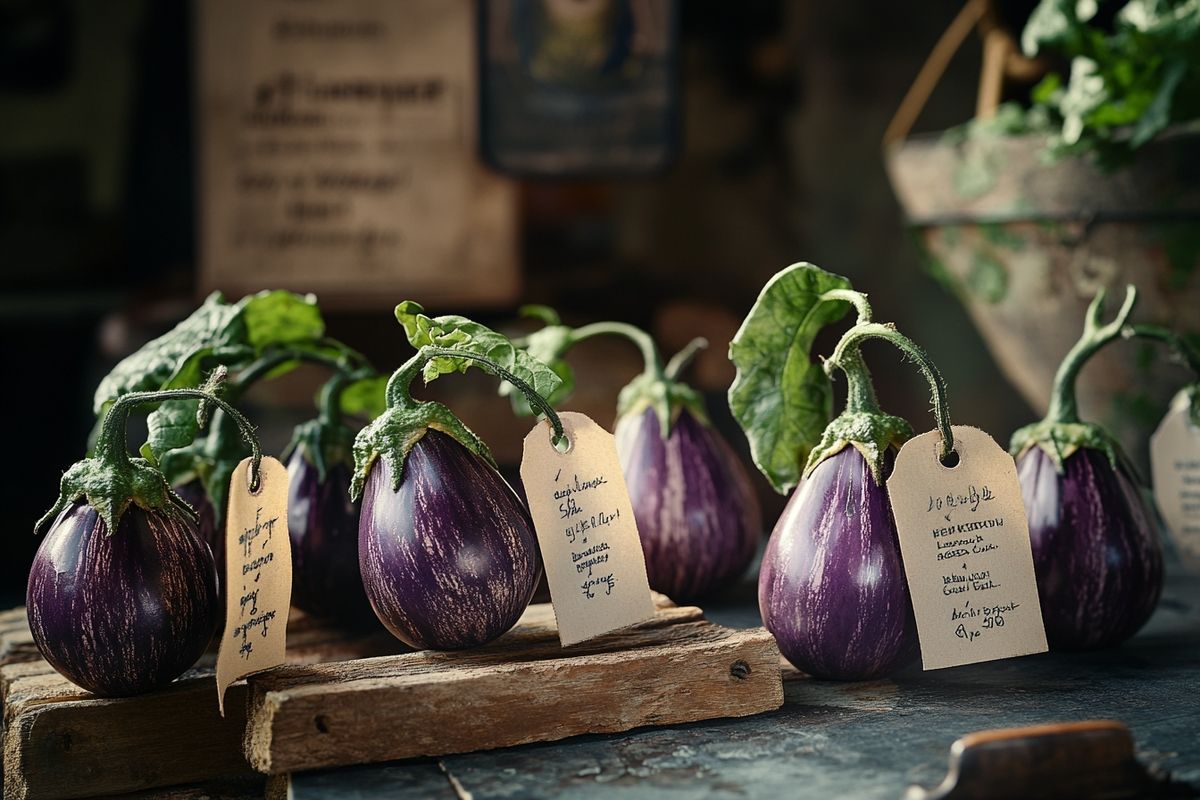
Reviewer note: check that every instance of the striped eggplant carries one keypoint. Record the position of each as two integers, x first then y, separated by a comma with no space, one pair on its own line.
831,587
696,511
194,495
122,596
126,613
1095,541
447,551
449,559
1097,556
323,526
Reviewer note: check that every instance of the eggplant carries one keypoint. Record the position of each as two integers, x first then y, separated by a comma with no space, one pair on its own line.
449,557
126,613
1095,544
323,527
1096,551
194,495
831,586
696,511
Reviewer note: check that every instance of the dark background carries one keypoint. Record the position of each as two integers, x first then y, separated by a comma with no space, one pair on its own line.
783,107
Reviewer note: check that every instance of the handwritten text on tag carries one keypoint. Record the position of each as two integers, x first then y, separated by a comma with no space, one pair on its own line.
258,575
585,526
964,540
1175,473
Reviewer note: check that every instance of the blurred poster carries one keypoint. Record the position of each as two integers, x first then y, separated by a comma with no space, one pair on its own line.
579,87
338,154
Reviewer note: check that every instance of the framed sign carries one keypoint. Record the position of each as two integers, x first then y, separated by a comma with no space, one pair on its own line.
338,154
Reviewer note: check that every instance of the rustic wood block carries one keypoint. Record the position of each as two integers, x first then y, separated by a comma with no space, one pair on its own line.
16,642
523,688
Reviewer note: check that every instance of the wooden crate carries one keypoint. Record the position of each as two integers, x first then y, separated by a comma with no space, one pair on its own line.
61,742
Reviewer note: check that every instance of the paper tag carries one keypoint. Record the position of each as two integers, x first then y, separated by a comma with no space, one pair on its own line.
964,540
584,522
1175,473
258,575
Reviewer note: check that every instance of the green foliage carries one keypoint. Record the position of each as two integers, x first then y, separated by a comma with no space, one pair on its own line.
1125,85
780,397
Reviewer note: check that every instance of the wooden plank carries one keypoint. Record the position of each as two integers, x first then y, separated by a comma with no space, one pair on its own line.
16,642
424,704
62,742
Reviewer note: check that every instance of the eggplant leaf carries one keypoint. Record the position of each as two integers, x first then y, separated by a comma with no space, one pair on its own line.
365,397
216,324
548,346
459,333
783,400
280,317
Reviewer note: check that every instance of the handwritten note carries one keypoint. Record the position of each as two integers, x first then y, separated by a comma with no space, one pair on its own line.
964,540
1175,473
258,575
585,526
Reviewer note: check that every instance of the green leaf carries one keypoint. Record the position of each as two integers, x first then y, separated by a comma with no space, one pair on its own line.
365,397
172,425
215,324
548,345
280,317
782,400
459,333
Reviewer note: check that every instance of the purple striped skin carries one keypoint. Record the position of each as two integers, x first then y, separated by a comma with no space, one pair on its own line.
194,495
450,559
1096,551
832,588
696,511
323,527
123,614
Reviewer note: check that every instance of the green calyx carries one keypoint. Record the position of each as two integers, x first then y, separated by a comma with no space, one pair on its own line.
393,434
445,345
1061,433
871,433
327,440
667,397
110,480
1060,440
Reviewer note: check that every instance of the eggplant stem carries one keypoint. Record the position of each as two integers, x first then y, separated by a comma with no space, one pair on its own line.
111,447
680,361
846,353
1064,407
398,395
645,343
857,299
260,368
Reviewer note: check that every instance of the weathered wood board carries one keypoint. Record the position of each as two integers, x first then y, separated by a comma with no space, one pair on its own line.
16,642
523,688
63,742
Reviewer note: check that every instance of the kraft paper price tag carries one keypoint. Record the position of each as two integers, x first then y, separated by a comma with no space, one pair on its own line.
584,522
258,575
964,540
1175,473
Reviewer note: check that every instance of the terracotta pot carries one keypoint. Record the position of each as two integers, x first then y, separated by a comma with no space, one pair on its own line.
1025,244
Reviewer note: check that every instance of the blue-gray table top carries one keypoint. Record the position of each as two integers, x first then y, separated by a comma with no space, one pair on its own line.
846,740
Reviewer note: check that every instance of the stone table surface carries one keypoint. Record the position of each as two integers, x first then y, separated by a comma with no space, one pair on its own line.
845,740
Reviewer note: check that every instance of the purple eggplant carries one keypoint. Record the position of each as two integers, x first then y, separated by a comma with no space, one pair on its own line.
194,495
449,558
696,511
125,613
831,587
323,526
1096,553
